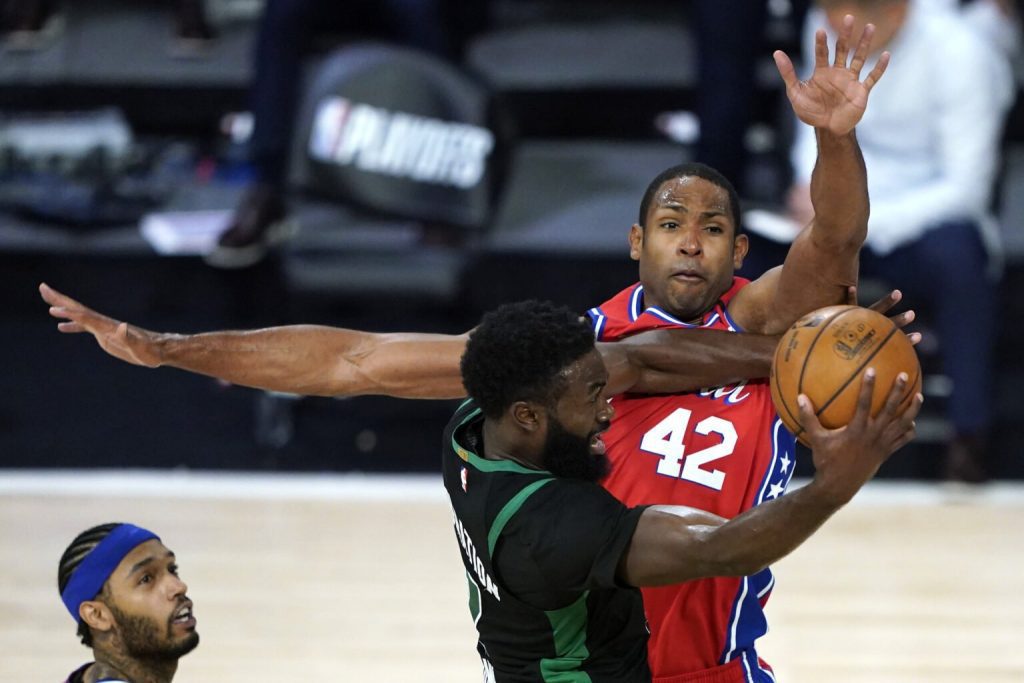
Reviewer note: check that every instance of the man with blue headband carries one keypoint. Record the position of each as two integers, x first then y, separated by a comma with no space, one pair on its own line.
121,585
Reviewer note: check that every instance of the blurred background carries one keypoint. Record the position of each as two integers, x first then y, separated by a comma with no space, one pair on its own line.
193,165
406,165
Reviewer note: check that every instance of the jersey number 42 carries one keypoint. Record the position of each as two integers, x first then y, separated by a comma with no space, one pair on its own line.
666,439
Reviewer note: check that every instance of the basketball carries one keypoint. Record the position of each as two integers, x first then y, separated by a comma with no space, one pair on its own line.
824,355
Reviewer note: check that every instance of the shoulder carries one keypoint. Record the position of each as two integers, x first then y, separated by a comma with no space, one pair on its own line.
738,283
568,506
746,302
932,27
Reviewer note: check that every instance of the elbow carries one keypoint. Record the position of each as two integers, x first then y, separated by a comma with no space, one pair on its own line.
840,238
724,558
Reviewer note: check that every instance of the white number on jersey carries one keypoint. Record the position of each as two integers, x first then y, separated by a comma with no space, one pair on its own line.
666,439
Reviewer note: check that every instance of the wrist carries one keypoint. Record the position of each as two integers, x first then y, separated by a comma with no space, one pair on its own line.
823,493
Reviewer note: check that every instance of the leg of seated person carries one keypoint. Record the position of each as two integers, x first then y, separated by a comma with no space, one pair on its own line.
284,33
946,271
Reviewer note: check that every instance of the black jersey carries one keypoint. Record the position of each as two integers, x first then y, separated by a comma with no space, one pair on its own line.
541,554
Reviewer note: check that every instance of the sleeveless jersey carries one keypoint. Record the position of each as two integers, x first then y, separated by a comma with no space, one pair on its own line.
516,522
721,449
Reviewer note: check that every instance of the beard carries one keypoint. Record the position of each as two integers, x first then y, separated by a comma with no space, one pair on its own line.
143,640
568,455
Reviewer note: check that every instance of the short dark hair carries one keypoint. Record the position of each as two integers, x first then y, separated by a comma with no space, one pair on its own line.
518,353
77,551
696,170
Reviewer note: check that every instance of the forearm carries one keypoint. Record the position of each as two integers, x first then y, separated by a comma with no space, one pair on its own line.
323,361
765,533
839,192
667,361
672,548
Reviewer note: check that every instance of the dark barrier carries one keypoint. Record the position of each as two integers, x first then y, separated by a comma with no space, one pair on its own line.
400,132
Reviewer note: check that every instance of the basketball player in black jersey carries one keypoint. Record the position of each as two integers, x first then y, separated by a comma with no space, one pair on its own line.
552,559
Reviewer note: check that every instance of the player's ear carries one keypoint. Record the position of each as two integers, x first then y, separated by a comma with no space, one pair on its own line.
636,241
740,247
527,415
96,615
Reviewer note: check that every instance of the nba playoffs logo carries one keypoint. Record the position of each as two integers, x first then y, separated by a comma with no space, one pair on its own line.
399,144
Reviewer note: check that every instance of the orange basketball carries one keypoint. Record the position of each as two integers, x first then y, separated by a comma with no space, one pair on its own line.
825,354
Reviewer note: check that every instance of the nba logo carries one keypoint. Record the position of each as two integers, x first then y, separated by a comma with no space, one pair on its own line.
464,477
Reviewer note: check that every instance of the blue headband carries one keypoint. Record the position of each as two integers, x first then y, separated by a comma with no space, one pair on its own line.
88,579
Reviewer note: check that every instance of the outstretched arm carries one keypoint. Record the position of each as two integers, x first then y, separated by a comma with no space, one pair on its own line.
672,545
299,359
332,361
822,262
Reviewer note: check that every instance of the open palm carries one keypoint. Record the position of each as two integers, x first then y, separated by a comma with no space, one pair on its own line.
833,98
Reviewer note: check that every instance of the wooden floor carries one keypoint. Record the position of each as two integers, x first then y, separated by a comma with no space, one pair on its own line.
359,579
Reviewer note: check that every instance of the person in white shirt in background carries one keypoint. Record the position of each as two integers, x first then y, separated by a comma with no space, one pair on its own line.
931,143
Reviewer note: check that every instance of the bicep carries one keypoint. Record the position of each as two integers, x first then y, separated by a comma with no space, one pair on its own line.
668,546
812,276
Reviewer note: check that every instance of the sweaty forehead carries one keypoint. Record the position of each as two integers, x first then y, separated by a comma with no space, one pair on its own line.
691,192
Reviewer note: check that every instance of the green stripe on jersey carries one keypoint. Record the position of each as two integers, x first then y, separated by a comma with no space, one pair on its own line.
569,627
483,464
511,508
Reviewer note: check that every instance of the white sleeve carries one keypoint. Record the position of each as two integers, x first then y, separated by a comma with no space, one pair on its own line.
969,109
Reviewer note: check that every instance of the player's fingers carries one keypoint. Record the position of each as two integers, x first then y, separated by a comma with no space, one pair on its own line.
843,41
867,389
897,394
877,72
55,298
786,70
860,55
903,440
903,319
851,295
887,301
70,327
805,414
820,49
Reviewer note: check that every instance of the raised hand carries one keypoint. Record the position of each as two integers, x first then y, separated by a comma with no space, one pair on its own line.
833,98
121,340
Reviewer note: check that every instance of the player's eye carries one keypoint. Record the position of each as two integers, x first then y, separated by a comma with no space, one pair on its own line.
173,569
145,578
715,229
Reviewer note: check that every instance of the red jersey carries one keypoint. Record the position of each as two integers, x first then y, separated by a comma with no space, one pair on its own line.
721,449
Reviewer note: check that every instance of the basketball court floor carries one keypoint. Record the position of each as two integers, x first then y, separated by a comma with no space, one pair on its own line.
358,578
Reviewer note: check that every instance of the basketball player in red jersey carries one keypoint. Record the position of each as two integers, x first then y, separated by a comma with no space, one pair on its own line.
721,449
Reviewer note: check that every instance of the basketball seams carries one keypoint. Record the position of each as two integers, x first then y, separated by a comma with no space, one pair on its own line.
857,371
807,357
782,401
810,349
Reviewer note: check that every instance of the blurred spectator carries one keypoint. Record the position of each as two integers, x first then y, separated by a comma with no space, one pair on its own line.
730,40
931,144
285,33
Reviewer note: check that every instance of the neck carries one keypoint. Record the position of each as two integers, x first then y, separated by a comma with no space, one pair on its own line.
120,666
498,446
